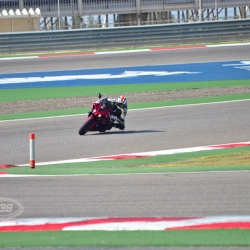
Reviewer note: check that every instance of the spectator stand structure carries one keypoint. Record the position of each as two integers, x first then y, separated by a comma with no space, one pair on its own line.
78,14
20,20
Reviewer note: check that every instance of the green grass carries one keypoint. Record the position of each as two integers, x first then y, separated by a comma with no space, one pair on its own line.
224,238
12,95
138,165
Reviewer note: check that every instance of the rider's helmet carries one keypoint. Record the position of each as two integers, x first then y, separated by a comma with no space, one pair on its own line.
122,101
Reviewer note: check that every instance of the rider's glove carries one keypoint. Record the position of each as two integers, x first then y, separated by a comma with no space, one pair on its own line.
104,100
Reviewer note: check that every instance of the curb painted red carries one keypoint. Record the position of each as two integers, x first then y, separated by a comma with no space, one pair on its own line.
226,225
122,51
125,224
60,226
150,154
7,166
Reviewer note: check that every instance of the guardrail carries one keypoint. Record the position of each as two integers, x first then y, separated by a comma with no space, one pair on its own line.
90,39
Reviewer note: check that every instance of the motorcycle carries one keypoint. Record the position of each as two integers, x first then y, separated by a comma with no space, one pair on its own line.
99,118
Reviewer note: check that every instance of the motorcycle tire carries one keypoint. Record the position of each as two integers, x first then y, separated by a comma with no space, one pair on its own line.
84,128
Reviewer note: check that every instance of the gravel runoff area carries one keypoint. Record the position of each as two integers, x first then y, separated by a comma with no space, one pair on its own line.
86,101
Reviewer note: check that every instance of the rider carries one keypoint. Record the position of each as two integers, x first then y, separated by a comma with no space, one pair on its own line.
118,108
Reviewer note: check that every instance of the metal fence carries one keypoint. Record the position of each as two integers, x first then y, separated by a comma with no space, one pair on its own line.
7,4
91,39
63,8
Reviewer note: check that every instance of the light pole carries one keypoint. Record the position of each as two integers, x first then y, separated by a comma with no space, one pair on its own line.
58,14
216,9
200,7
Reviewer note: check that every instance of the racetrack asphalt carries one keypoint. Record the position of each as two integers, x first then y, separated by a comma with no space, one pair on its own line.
214,54
139,195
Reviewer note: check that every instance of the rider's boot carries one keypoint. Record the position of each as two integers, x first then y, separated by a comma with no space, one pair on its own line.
119,125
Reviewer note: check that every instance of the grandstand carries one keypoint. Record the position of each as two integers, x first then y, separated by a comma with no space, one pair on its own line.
129,12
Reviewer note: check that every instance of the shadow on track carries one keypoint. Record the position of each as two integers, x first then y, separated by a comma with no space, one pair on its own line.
125,132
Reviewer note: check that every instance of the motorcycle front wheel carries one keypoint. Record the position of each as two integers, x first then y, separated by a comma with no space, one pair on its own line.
84,128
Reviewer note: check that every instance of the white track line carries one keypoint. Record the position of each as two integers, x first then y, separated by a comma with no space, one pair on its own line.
18,58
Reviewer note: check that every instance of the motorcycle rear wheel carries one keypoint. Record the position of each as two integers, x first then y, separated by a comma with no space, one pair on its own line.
84,128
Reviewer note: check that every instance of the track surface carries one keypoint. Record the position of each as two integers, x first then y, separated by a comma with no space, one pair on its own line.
130,59
147,130
174,194
200,194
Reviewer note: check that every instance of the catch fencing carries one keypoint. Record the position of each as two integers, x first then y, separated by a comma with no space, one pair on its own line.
75,14
91,39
